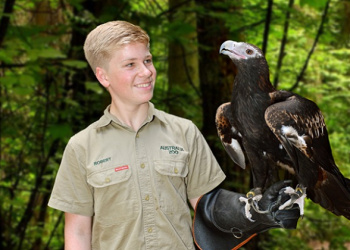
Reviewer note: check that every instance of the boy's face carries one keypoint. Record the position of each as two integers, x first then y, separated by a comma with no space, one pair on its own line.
130,76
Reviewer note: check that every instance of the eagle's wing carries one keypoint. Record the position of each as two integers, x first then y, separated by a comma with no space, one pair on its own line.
229,136
299,126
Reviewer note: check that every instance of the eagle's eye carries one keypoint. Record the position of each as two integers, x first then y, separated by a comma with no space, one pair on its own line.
249,51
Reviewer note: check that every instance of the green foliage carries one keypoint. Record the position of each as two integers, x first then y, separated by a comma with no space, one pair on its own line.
48,93
317,226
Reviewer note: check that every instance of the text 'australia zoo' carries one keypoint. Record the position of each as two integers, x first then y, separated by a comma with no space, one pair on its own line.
172,149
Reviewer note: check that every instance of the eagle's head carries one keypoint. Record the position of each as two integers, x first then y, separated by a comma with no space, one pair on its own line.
240,51
250,62
245,56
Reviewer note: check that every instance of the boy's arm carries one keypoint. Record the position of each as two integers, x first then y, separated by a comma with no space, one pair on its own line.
193,202
77,232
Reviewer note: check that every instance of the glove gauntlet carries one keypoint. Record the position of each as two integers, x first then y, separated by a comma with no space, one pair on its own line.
221,220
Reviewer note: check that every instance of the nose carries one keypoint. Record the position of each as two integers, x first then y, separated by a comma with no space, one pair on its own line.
145,71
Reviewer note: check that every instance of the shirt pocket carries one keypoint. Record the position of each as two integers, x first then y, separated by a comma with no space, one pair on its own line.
171,184
114,194
109,176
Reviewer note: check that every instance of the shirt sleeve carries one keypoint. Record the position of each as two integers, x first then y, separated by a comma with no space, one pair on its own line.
204,171
71,192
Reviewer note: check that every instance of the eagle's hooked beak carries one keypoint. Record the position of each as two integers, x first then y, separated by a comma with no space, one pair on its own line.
230,48
226,47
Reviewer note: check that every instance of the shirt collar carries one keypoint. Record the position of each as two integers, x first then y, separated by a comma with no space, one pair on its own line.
107,117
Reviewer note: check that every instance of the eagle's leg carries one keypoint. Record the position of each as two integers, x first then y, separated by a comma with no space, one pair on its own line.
297,196
288,196
261,179
255,194
251,201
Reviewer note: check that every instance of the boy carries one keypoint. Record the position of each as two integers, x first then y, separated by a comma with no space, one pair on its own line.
125,181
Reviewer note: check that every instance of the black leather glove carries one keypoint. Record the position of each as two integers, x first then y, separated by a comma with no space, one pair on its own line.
221,221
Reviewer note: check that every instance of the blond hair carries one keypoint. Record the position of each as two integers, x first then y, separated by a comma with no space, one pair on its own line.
105,38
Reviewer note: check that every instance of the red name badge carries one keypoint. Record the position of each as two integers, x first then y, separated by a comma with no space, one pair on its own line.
117,169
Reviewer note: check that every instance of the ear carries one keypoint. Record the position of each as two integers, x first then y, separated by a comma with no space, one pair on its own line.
102,77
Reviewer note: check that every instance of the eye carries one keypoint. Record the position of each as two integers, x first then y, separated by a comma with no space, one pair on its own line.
249,51
129,65
148,61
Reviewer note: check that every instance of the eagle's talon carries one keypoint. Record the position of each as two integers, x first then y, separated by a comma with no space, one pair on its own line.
257,209
251,201
297,196
247,206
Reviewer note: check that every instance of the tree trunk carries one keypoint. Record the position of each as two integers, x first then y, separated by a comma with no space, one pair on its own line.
183,76
216,79
216,72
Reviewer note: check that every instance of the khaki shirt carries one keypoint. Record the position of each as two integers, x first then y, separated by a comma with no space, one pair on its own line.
136,184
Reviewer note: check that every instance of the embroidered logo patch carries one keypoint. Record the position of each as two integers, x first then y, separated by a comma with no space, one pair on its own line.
117,169
172,149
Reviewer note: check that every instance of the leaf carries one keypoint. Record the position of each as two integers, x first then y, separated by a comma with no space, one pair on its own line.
19,84
8,80
45,53
78,64
319,4
94,86
60,131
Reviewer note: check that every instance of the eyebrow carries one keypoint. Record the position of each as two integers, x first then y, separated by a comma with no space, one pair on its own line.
129,59
134,58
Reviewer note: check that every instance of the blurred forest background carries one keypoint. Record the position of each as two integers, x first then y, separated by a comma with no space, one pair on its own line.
48,92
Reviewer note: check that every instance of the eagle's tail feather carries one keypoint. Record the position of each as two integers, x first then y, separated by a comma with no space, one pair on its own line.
347,181
332,195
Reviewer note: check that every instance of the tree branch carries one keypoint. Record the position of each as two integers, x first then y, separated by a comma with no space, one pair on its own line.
43,162
5,19
188,74
283,43
267,26
319,33
54,230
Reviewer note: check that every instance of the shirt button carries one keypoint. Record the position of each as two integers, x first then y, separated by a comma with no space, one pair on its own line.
142,165
137,135
107,180
176,171
147,198
150,230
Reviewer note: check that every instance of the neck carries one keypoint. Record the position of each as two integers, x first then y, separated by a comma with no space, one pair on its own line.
254,80
131,115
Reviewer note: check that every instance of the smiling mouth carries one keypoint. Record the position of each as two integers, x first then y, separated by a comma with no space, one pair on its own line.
144,85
